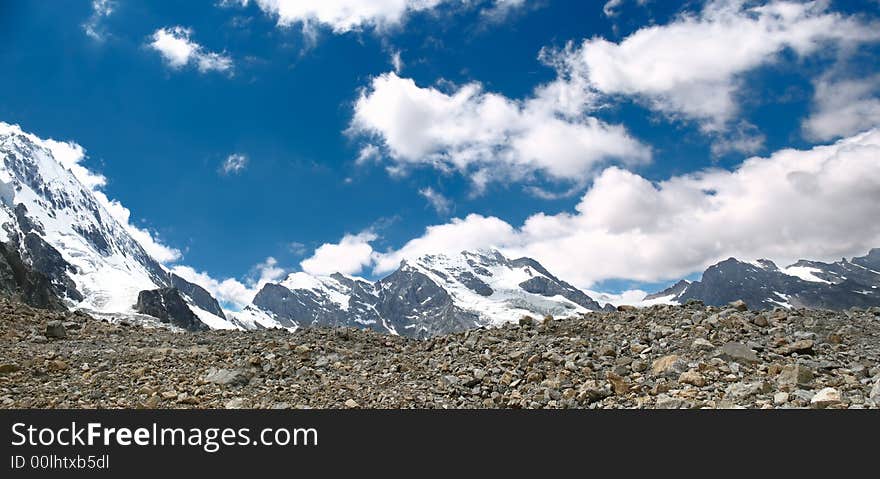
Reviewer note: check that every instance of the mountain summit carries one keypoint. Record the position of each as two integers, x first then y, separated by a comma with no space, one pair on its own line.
434,294
60,228
764,285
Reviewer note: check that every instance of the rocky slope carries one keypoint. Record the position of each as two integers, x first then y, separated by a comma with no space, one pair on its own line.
810,284
435,294
20,282
659,357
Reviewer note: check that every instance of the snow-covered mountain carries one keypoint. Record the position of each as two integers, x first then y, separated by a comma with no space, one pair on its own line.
57,226
434,294
762,284
61,229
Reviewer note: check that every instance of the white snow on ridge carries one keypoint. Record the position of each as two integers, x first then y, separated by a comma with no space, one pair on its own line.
508,301
252,317
324,286
213,321
805,273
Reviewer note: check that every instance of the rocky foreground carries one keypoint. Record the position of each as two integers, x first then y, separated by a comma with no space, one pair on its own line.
661,357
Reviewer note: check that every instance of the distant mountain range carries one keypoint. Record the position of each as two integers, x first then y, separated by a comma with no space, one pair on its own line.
434,294
60,248
763,285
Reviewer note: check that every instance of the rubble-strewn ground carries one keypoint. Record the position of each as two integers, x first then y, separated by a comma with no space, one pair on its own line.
660,357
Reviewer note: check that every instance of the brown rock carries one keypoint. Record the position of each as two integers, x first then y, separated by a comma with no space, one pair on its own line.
804,346
794,375
692,377
668,365
619,385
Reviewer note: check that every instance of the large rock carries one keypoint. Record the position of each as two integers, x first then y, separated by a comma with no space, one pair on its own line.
803,346
670,365
738,352
55,330
746,390
794,375
827,397
168,306
227,377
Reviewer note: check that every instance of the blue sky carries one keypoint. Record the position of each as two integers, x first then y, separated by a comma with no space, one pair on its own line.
298,94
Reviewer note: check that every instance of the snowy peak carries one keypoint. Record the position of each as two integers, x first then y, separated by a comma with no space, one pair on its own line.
433,294
762,284
64,229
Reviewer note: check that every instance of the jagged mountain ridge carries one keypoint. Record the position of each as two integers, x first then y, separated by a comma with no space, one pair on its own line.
763,285
434,294
59,228
55,226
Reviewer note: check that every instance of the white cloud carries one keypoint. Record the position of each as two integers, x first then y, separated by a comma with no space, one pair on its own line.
231,291
178,50
367,154
502,9
343,16
691,67
819,203
296,248
488,136
234,164
100,10
472,232
71,155
441,204
349,256
611,7
843,107
396,61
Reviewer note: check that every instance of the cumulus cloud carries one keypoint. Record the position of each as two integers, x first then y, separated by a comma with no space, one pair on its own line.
349,256
843,106
441,204
231,291
692,67
234,164
343,16
100,10
71,155
819,203
485,135
178,50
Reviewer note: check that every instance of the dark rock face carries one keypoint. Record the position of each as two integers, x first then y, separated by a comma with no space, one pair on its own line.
47,260
870,261
841,285
297,307
168,306
21,282
198,295
418,307
676,289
